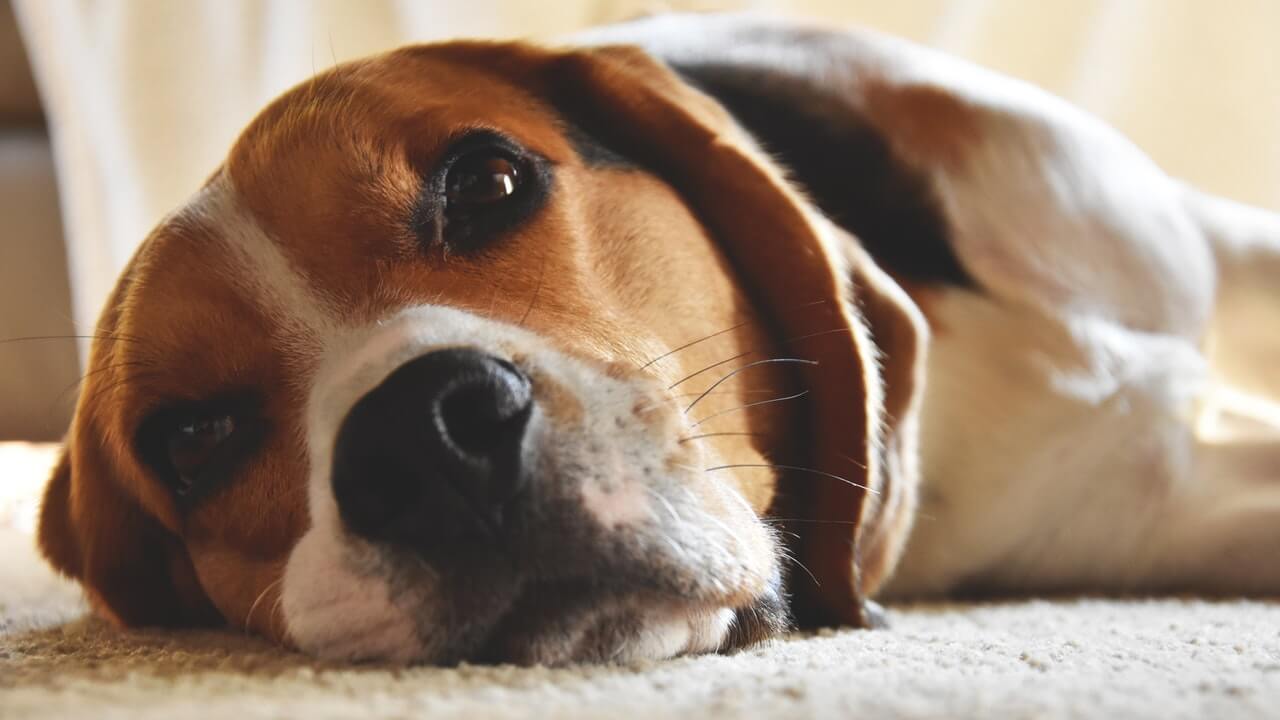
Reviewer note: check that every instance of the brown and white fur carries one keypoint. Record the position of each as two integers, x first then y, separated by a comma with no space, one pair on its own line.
1059,445
1005,307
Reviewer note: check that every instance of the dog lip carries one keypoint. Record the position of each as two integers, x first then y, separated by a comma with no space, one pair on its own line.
560,615
569,610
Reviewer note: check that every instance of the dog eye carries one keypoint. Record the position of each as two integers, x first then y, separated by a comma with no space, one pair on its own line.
196,447
480,190
481,178
193,443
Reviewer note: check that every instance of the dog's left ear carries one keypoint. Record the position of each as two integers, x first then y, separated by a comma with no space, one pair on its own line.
808,277
133,570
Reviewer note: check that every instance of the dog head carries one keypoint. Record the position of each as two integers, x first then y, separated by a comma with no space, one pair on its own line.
482,351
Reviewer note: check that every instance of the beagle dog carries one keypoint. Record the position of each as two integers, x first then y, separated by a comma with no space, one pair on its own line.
663,341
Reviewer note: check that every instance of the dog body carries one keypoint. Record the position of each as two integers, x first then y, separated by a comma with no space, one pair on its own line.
1070,300
486,351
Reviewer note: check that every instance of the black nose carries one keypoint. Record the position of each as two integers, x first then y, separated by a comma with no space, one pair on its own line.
433,453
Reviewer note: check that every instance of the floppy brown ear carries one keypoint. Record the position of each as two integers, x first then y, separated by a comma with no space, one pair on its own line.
56,540
134,571
900,334
788,258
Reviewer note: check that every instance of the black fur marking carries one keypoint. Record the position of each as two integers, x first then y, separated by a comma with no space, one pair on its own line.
594,152
845,165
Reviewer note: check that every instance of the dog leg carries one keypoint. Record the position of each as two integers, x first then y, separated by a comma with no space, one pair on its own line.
1219,529
1053,448
1244,346
1221,535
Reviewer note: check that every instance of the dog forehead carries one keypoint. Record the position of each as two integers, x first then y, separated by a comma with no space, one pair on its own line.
381,121
335,169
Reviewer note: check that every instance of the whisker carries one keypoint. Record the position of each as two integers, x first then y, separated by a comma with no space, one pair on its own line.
126,380
685,466
814,521
785,341
62,394
662,402
719,392
537,290
493,302
675,546
856,464
735,536
797,468
820,333
277,615
712,416
730,533
714,434
748,366
780,531
91,373
687,345
257,600
690,376
789,556
665,504
37,338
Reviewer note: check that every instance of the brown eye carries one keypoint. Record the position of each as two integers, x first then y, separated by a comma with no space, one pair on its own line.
478,193
192,443
481,178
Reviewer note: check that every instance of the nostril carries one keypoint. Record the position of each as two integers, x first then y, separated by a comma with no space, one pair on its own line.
480,418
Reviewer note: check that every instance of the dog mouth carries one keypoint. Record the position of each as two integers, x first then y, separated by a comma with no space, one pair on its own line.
551,584
563,622
576,594
497,609
567,622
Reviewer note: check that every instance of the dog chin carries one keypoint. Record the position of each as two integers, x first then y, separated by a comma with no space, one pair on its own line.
369,606
631,628
626,630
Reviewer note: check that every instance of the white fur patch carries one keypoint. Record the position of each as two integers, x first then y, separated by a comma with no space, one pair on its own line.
337,608
301,317
627,503
1050,446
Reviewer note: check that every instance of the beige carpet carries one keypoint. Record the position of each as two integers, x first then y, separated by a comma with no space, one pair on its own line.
1035,659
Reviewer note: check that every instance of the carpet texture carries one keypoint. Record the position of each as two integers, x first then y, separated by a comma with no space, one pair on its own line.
1035,659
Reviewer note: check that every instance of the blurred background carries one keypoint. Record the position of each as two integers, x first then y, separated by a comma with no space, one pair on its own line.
114,111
